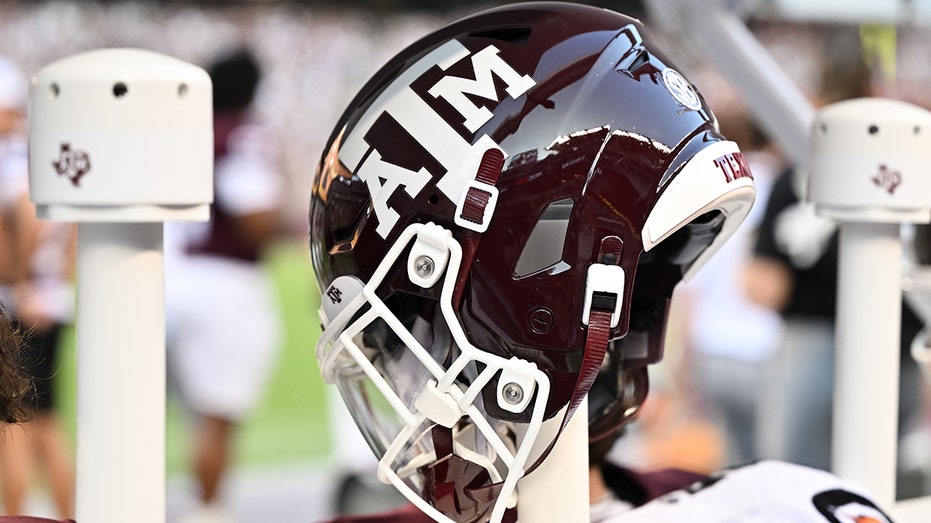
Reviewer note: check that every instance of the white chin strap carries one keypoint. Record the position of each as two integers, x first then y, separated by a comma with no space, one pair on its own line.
445,400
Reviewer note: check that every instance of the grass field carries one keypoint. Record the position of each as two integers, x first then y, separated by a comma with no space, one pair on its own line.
291,423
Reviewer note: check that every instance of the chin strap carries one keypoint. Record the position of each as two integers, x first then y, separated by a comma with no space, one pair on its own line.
596,343
475,212
604,294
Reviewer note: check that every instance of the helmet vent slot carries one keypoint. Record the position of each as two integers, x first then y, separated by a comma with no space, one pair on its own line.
514,35
544,246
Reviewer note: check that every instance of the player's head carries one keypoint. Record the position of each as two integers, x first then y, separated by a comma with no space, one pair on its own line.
503,199
235,76
14,385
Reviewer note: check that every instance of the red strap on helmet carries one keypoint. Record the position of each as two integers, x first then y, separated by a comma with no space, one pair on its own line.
473,210
596,343
597,336
599,326
476,200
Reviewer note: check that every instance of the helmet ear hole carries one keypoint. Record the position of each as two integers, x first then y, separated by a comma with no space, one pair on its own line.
687,244
642,315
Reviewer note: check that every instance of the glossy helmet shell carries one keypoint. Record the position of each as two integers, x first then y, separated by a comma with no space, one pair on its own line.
601,131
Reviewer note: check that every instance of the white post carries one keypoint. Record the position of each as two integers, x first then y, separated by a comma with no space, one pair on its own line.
558,489
121,372
869,169
869,311
121,140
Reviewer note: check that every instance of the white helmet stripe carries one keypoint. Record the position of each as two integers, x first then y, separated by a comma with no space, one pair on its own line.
716,178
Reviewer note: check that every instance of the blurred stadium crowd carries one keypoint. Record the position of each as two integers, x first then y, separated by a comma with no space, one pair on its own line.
315,55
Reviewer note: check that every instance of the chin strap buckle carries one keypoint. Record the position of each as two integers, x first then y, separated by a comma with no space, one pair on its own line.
601,313
604,284
603,290
479,198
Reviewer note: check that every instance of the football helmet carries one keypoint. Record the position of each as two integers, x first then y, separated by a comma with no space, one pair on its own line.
499,218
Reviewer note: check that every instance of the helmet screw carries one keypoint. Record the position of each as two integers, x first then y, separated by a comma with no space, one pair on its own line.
424,266
513,393
541,320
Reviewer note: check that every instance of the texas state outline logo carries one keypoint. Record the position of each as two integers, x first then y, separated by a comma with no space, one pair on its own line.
72,164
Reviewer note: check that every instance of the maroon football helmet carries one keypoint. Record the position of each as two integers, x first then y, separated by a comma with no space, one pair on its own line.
499,218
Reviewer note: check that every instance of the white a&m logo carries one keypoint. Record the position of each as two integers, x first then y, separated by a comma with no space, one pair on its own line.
434,134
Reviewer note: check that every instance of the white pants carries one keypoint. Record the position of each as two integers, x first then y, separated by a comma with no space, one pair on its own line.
223,333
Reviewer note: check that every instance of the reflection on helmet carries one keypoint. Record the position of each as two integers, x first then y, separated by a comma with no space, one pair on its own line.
497,224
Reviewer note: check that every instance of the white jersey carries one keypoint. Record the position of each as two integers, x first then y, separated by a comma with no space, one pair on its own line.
762,492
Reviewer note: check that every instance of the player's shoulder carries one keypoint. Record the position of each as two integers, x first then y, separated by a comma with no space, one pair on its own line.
771,491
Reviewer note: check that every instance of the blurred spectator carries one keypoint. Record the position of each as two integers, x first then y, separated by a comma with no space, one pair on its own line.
222,312
37,268
794,271
730,338
915,431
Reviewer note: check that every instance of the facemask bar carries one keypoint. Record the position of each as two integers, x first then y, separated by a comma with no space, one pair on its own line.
446,402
